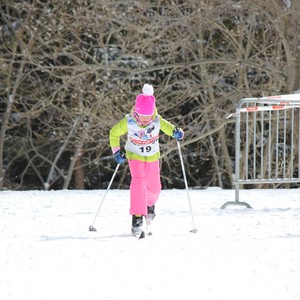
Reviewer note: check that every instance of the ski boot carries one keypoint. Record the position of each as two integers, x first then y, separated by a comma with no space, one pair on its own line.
137,226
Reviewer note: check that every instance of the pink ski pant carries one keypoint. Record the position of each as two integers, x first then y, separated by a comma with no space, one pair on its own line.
145,185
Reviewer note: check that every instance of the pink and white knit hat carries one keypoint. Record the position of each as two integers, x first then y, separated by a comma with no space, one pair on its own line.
145,102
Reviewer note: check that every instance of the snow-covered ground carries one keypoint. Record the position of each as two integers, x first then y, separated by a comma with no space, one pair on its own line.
48,253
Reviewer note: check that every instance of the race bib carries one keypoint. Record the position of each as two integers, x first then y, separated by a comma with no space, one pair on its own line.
143,140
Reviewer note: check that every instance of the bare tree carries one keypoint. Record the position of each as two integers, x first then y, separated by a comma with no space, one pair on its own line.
73,70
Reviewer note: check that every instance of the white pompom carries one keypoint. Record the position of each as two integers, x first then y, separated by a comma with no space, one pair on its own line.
148,90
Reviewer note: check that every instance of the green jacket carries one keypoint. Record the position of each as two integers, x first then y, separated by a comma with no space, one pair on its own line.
121,128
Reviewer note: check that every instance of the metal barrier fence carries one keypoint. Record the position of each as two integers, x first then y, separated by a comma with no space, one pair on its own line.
267,143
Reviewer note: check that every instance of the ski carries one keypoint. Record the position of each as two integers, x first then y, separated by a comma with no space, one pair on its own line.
149,219
148,228
138,233
142,235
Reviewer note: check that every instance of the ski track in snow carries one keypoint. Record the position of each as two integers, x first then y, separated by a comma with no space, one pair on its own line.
48,253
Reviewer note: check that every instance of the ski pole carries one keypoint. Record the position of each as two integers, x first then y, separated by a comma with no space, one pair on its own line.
92,228
194,230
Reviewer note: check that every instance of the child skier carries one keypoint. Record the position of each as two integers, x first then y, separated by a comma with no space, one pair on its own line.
142,126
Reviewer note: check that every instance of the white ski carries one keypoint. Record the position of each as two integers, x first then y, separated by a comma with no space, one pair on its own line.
138,232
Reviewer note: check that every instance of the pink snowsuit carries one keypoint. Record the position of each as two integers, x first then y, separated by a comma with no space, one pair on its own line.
142,153
145,185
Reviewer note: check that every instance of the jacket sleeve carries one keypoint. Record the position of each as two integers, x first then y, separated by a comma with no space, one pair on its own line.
116,132
166,126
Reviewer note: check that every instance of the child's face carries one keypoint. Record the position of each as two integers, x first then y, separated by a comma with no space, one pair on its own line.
145,119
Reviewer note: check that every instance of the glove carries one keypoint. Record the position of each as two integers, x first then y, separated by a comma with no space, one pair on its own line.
178,134
119,157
